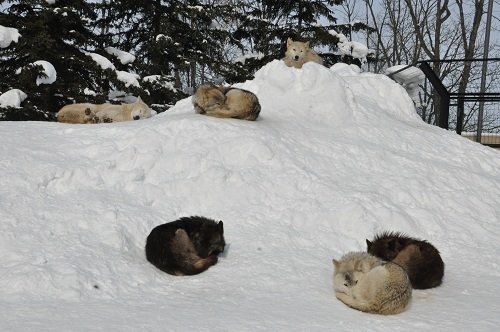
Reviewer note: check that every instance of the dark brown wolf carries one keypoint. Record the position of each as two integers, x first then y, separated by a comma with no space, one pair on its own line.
419,258
226,102
186,246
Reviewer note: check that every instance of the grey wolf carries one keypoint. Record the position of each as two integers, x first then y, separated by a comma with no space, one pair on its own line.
297,53
186,246
419,258
218,101
366,283
98,113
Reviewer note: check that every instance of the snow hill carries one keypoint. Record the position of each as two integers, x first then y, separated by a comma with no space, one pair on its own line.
335,157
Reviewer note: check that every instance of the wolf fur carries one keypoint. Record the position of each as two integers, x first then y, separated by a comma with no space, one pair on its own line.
77,113
99,113
419,258
186,246
124,112
366,283
218,101
297,53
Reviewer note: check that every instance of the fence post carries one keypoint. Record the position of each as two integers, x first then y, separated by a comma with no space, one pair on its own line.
484,69
460,115
444,95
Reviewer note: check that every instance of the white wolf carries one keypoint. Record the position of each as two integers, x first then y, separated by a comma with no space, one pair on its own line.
124,112
98,113
366,283
77,113
297,53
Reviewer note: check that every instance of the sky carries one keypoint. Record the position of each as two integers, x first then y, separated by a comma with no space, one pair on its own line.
335,157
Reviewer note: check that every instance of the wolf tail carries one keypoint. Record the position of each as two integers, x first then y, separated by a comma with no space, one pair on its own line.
198,266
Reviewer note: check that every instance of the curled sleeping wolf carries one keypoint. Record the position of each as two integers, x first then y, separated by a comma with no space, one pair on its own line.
297,53
419,258
187,246
98,113
365,282
222,102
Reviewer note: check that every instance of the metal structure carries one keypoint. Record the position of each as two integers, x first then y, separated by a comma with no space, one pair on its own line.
481,101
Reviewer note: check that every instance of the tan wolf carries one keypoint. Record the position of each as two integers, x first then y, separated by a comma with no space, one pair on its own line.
77,113
97,113
124,112
218,101
297,53
366,283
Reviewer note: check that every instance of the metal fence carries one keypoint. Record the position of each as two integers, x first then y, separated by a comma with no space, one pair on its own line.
475,113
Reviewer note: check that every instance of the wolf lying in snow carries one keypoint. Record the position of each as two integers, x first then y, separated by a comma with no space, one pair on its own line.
186,246
99,113
365,282
297,53
218,101
77,113
419,258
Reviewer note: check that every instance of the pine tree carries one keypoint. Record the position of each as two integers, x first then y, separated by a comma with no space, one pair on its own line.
61,34
266,25
179,41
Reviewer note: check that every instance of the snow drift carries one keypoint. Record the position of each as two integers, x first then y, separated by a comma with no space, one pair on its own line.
335,157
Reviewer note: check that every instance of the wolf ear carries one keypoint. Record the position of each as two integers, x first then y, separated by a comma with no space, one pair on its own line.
336,263
368,244
307,44
221,226
138,99
289,41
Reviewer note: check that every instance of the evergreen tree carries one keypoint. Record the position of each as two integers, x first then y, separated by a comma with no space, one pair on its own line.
178,44
58,33
179,40
266,25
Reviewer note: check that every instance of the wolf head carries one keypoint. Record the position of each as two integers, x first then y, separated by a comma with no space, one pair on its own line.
140,110
208,96
350,268
209,240
217,243
295,50
343,276
387,245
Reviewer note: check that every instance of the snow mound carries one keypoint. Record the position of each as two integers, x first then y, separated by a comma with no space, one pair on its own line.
334,96
7,36
124,57
48,70
102,61
128,78
287,90
335,157
12,98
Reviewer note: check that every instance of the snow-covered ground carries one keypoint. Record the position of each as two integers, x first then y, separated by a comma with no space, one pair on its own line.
335,157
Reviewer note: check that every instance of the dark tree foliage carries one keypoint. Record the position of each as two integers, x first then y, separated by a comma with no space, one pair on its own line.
266,25
59,34
174,39
178,44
